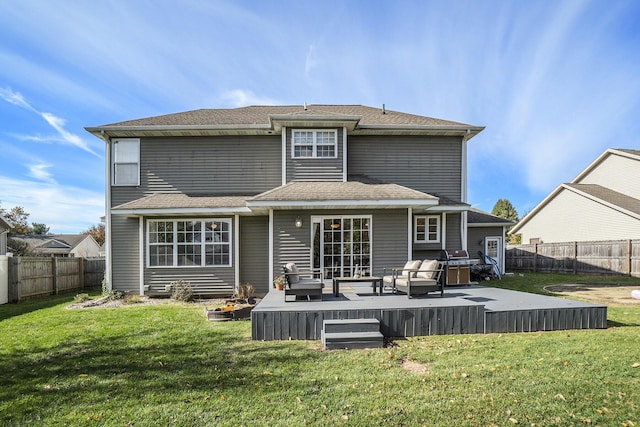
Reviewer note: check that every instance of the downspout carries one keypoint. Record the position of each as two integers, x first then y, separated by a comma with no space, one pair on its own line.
107,218
271,275
344,154
141,262
463,191
236,252
284,156
409,234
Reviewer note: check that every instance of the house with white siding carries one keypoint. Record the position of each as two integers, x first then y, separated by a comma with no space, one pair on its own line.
220,197
61,245
601,203
4,231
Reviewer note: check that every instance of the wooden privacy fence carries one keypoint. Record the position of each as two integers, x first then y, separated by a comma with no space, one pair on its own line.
37,276
602,257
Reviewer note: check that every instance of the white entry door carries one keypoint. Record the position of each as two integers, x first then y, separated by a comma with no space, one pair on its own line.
493,249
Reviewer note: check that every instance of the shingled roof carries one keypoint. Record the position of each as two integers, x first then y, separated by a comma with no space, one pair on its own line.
267,119
299,195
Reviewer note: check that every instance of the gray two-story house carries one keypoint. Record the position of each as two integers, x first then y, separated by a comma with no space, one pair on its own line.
219,197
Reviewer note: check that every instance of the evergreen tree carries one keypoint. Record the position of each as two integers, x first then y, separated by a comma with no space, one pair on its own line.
504,209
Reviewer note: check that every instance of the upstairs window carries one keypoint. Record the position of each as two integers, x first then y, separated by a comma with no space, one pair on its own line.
427,229
126,162
314,144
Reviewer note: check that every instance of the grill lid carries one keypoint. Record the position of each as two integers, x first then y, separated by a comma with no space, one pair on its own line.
449,254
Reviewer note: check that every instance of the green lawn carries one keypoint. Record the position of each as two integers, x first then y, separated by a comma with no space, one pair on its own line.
164,364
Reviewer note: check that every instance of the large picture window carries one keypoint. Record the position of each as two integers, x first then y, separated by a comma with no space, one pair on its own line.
126,162
427,229
314,144
189,243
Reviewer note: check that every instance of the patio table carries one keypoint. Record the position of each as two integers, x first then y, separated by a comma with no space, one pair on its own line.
375,280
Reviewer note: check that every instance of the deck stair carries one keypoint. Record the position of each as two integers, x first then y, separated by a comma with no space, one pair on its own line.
351,334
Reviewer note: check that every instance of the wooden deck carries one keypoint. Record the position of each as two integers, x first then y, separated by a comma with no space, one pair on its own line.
462,310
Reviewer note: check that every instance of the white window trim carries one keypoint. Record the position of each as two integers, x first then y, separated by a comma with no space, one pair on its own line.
114,162
314,154
203,243
426,219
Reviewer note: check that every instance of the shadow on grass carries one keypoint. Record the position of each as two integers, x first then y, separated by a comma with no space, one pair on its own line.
18,309
126,363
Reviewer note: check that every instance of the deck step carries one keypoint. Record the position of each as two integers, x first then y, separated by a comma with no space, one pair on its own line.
351,325
351,340
351,334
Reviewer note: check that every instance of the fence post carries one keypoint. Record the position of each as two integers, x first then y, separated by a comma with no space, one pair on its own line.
54,274
629,257
14,289
535,258
81,272
575,257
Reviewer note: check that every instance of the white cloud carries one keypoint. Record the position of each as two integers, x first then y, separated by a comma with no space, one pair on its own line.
39,171
55,122
64,208
242,98
15,98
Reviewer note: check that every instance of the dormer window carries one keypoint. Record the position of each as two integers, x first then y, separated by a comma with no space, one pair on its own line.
308,144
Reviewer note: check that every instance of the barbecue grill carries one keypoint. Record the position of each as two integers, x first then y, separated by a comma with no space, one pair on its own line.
457,266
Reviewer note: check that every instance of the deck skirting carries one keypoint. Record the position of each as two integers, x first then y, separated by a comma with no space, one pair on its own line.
472,310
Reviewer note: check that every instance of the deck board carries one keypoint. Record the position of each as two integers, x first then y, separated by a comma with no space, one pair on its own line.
462,310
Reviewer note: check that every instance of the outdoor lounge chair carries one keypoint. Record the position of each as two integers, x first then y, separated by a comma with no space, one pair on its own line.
416,278
300,283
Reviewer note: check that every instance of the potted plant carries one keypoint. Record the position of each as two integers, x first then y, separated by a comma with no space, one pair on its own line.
279,282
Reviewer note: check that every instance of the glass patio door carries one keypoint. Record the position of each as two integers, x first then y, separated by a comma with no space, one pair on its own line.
342,244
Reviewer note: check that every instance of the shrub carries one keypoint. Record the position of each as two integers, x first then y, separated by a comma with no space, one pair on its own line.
114,295
181,291
81,298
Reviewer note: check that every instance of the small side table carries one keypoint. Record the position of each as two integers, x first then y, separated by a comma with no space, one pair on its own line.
376,280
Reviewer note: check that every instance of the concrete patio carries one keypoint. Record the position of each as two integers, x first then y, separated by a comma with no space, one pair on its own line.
462,310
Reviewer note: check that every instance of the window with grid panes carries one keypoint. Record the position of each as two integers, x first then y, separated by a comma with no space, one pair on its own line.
189,243
427,229
314,143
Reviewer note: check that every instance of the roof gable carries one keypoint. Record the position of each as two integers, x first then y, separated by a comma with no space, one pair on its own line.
611,198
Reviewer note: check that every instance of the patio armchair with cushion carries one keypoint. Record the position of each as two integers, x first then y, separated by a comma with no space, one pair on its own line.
416,278
301,283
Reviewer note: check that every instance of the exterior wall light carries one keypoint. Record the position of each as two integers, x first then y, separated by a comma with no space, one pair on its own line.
298,222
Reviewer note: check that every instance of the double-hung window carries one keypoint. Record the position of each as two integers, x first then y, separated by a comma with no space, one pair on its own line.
314,144
189,243
426,229
126,162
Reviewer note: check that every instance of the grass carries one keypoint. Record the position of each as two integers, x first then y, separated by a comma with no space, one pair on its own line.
164,364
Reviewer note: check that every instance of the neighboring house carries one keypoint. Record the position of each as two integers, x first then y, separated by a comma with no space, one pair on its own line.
61,245
4,231
487,234
601,203
219,197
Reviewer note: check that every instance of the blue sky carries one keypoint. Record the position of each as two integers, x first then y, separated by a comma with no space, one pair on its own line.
555,82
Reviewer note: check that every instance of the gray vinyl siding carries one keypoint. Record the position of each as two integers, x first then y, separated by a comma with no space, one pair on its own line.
217,166
390,240
314,169
476,236
209,281
389,237
454,238
125,269
429,164
254,250
291,244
